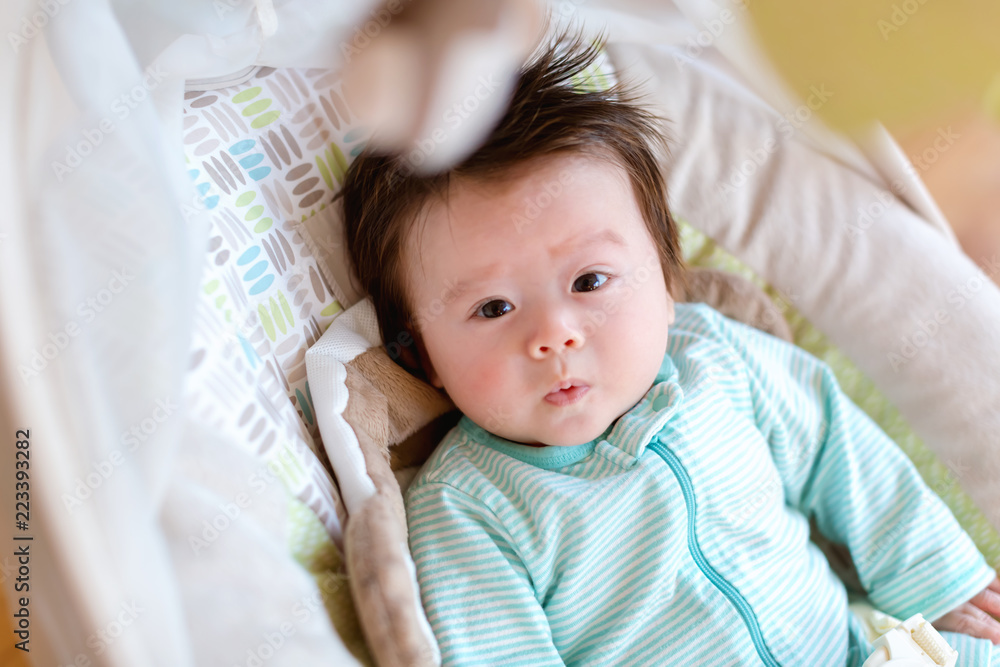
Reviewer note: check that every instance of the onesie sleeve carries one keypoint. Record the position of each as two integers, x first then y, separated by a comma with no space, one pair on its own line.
477,593
838,466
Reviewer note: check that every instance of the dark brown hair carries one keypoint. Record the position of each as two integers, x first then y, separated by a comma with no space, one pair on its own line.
549,113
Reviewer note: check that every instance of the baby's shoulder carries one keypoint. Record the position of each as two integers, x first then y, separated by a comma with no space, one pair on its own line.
703,340
699,320
701,333
698,325
454,467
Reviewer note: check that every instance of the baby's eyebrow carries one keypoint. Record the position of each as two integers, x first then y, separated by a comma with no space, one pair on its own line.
603,236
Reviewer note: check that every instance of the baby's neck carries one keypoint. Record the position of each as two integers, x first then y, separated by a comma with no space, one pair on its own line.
540,445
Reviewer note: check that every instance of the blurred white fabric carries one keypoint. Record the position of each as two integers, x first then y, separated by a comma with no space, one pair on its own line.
102,251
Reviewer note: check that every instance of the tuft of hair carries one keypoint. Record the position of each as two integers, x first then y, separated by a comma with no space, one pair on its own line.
549,113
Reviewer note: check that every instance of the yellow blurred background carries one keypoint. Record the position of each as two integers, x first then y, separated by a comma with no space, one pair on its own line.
926,69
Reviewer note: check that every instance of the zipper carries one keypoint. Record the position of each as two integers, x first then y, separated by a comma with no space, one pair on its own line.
726,588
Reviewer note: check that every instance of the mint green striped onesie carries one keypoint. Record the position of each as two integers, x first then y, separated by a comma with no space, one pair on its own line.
681,535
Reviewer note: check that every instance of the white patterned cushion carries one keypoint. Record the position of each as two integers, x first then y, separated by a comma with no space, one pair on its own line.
267,156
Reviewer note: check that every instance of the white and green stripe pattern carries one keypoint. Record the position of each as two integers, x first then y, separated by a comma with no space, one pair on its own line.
584,555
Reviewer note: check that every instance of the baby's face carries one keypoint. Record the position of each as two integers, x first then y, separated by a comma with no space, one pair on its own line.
540,301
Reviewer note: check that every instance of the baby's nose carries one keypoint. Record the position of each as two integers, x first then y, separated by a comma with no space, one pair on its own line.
555,338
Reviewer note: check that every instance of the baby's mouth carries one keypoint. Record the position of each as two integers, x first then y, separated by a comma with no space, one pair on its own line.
567,393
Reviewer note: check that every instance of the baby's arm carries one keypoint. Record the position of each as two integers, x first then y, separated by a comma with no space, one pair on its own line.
839,467
477,594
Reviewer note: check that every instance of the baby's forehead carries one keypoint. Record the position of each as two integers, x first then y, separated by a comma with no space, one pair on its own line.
524,190
563,195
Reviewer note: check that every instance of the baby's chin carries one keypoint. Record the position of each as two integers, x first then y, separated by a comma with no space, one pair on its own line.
561,438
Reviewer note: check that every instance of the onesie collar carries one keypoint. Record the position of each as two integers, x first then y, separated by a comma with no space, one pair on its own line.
548,458
630,433
637,427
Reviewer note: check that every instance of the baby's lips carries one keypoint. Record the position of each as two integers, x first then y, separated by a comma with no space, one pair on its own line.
566,384
568,395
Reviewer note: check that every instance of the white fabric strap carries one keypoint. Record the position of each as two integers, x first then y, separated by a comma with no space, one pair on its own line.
348,336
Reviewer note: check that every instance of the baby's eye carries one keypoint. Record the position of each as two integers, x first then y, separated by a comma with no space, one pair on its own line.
494,308
589,282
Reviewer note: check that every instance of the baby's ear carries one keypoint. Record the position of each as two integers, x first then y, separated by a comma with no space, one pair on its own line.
670,308
425,363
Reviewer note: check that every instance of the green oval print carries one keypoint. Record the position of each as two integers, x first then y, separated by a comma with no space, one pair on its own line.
254,213
265,119
247,94
256,107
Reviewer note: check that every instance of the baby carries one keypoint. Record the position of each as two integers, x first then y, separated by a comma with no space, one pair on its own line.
632,480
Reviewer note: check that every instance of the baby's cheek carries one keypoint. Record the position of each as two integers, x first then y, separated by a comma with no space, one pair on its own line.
486,378
483,386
